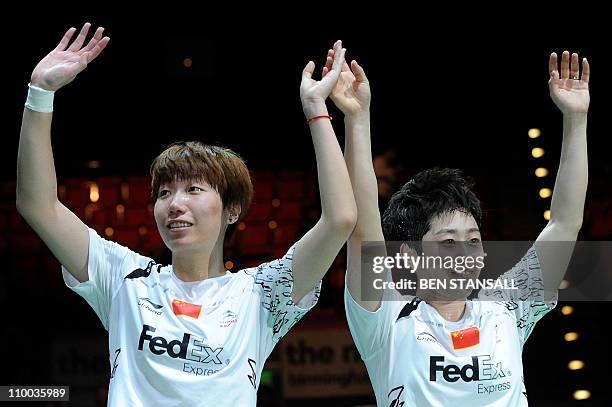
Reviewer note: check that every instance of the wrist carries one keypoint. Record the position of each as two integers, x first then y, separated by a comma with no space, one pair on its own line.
358,116
575,116
39,99
314,108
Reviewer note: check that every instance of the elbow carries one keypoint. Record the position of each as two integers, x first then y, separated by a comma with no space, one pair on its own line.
30,209
567,228
345,222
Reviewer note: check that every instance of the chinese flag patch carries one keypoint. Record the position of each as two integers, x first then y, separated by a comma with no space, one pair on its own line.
465,338
185,308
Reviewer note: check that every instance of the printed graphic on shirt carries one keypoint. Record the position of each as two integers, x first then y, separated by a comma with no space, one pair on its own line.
199,359
229,318
253,376
395,397
184,308
138,273
465,338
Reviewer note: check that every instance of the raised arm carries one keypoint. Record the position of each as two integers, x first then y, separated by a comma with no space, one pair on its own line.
570,92
62,231
316,251
352,95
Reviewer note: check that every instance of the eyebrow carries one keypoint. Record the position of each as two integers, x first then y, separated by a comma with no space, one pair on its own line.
442,231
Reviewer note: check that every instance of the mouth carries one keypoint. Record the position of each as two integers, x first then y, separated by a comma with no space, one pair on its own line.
177,226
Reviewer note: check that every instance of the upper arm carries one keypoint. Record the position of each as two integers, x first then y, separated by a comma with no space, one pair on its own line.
355,275
315,253
554,247
64,234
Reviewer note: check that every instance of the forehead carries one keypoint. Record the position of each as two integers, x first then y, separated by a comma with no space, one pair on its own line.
180,181
456,220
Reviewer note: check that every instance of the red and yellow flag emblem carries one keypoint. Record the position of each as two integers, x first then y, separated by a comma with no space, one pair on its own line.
185,308
465,338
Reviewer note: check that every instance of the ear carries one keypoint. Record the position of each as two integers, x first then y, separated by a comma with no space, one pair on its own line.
233,213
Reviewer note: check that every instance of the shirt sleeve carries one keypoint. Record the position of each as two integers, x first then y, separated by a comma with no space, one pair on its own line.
371,329
527,302
106,273
276,283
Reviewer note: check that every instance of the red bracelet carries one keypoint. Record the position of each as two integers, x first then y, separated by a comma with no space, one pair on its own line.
318,117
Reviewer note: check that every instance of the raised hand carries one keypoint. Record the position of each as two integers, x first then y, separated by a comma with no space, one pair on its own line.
570,90
352,91
65,62
313,93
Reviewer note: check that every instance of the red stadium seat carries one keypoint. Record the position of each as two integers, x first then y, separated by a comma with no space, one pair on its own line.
139,188
259,212
255,234
26,243
76,193
289,211
285,234
128,236
290,186
263,186
110,191
7,191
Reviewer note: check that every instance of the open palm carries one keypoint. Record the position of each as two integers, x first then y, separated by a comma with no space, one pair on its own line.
569,90
64,63
352,91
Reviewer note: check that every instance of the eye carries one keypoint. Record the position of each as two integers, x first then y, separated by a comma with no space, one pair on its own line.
162,193
475,240
448,242
194,187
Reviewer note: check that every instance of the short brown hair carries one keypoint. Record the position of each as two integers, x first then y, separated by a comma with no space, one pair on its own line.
220,167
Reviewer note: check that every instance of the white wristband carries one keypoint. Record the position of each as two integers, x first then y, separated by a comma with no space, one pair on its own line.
39,100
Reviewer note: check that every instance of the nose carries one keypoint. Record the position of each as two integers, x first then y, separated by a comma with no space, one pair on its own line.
177,204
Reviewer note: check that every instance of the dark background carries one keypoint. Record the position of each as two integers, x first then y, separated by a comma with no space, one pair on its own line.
449,92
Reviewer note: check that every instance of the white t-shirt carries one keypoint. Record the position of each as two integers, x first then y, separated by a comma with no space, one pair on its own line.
415,357
176,343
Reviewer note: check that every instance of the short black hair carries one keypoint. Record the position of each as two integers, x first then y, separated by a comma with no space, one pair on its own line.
429,193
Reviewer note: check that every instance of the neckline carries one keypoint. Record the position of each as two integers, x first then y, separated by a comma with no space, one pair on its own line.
197,282
452,324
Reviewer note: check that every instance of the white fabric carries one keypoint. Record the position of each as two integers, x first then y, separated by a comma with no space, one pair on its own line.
214,358
39,100
411,357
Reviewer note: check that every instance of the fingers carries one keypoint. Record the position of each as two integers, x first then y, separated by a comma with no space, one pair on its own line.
94,40
328,63
338,56
574,67
586,70
553,68
65,39
308,70
565,65
78,43
358,72
93,54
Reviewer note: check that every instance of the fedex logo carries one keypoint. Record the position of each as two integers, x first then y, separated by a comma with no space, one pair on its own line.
190,347
481,368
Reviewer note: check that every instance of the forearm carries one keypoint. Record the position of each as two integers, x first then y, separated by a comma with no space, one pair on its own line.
567,206
36,179
358,156
338,207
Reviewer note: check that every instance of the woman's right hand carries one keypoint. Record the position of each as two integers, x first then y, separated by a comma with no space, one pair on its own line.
64,63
